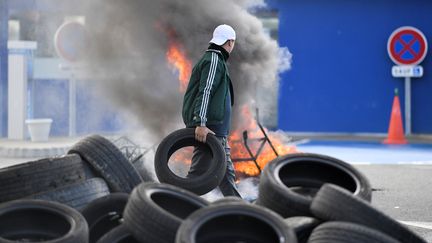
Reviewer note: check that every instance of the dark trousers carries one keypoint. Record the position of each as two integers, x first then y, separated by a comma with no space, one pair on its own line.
200,162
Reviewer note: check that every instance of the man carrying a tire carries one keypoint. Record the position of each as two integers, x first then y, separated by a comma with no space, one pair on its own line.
207,104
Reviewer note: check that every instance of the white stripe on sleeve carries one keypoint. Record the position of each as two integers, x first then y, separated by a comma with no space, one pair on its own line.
209,83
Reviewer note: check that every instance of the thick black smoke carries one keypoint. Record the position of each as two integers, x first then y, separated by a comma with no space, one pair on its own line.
127,53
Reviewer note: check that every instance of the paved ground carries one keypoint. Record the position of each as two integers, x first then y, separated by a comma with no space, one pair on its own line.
18,151
400,176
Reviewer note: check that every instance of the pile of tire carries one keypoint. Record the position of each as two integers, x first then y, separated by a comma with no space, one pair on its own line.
321,198
153,212
57,188
162,213
94,167
95,195
326,200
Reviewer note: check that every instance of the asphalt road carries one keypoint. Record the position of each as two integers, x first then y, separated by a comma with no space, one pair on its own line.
404,193
401,177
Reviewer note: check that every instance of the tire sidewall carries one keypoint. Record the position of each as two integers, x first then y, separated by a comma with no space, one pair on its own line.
184,138
78,232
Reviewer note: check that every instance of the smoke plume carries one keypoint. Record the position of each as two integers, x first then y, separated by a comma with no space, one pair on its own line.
127,53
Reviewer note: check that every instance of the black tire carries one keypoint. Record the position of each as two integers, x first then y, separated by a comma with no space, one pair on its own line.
142,170
108,162
334,203
155,211
119,234
342,232
26,179
302,226
104,214
234,222
41,221
289,183
228,199
184,138
76,195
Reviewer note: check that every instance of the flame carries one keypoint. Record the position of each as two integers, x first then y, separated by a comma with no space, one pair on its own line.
177,57
255,140
183,155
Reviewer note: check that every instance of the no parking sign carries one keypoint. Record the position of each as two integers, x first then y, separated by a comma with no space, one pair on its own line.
70,41
407,47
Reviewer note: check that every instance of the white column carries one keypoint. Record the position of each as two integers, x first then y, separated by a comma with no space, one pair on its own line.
17,88
17,98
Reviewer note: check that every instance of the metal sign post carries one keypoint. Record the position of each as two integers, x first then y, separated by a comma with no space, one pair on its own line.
407,47
408,105
72,96
72,106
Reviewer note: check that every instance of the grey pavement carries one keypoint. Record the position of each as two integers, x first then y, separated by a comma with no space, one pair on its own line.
400,176
402,191
18,151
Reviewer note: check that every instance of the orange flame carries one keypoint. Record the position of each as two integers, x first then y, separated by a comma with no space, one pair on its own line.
177,57
255,139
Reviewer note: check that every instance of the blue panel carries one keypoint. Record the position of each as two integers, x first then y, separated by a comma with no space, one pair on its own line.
341,77
66,6
94,114
22,5
4,18
50,100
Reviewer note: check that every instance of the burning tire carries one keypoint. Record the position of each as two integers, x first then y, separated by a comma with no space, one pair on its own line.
41,221
26,179
289,183
76,195
104,214
119,234
334,203
341,232
302,226
109,162
155,211
184,138
234,222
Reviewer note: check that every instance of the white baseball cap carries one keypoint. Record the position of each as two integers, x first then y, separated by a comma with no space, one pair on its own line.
222,34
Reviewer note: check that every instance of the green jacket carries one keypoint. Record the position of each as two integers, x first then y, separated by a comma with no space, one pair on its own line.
205,97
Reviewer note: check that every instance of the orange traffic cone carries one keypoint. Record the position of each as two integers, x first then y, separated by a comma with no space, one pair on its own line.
395,131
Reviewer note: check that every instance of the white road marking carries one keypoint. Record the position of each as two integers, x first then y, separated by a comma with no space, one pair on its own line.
424,225
416,163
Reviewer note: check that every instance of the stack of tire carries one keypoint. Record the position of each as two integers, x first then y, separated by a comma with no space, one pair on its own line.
321,198
94,167
56,189
326,200
153,212
302,198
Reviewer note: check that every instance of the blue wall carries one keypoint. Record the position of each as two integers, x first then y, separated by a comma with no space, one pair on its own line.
341,74
50,99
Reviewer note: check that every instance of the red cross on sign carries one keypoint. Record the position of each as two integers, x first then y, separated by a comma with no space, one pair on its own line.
407,46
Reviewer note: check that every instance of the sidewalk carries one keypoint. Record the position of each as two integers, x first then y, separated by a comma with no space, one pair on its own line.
19,151
361,137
